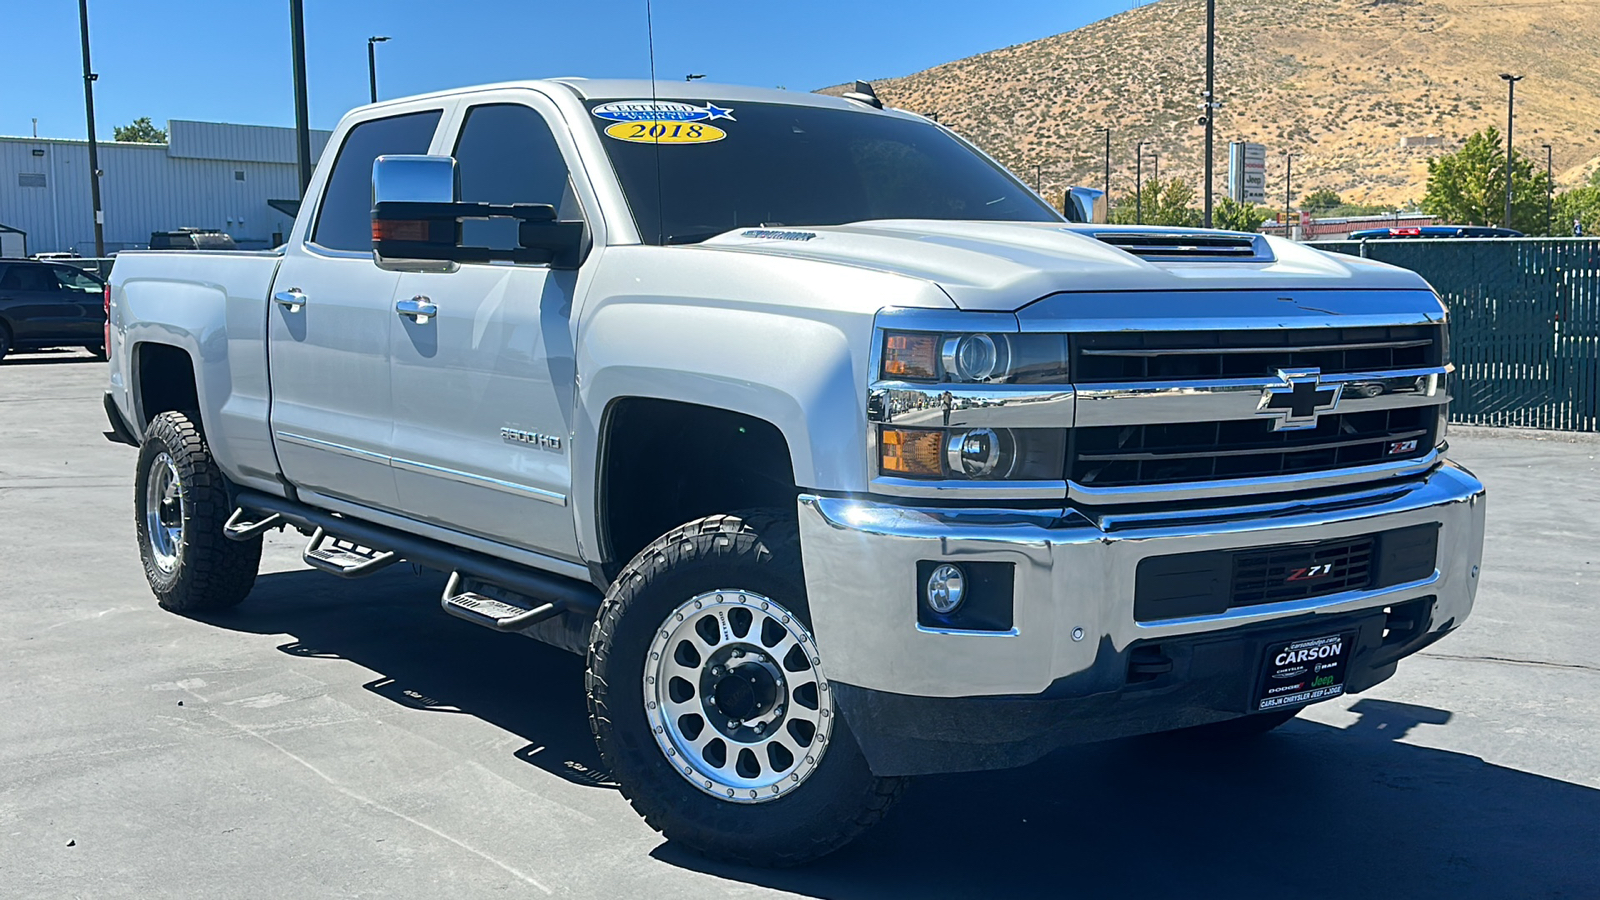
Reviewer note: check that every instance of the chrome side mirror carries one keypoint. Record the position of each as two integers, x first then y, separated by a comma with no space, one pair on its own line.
404,244
1086,205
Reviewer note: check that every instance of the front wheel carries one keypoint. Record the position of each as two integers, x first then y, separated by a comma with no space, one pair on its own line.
180,505
710,703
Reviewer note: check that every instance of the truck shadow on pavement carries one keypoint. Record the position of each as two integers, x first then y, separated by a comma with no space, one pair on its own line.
390,622
1308,811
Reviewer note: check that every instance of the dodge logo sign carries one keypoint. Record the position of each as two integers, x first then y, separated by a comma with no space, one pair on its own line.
1299,400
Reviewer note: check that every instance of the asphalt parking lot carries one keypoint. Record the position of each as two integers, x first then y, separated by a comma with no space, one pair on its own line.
334,739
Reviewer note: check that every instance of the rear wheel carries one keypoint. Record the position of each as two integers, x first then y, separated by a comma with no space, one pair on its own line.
98,351
180,505
711,706
5,340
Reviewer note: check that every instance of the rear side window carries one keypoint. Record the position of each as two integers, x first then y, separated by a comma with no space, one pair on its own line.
29,278
344,222
507,154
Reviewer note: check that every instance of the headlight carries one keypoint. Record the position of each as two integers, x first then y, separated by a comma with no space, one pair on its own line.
973,454
979,358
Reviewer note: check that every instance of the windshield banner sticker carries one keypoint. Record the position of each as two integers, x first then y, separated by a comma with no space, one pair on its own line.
654,132
661,111
663,121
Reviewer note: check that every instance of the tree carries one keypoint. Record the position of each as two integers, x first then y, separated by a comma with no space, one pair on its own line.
1320,201
1468,187
140,132
1231,215
1578,205
1163,205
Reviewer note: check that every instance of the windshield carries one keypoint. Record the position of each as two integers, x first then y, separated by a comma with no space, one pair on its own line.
769,164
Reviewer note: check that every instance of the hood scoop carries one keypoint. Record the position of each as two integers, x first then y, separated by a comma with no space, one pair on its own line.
1200,246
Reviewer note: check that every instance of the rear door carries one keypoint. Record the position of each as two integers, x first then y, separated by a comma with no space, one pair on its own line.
483,391
328,325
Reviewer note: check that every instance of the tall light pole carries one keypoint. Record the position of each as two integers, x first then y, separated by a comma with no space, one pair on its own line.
1108,167
94,155
1511,118
372,65
1210,98
1138,183
1288,190
1155,174
1549,190
302,117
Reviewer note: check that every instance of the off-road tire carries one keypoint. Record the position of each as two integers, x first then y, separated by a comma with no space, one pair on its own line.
757,551
212,572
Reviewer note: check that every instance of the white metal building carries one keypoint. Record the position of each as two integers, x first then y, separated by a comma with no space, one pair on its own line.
240,179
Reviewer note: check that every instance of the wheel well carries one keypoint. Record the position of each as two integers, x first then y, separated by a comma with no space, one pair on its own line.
664,463
165,381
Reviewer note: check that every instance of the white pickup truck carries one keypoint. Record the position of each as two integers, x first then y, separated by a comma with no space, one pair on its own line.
841,454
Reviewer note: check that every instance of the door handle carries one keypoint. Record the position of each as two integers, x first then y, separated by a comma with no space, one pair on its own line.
418,308
292,299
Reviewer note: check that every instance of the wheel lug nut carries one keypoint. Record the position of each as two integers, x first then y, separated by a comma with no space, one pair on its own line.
760,728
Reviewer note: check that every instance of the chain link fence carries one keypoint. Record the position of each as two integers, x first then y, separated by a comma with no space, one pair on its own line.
1524,324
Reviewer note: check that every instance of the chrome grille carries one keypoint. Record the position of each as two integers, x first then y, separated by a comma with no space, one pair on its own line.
1132,455
1126,357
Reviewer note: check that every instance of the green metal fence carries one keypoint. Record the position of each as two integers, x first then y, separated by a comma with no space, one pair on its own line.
1524,324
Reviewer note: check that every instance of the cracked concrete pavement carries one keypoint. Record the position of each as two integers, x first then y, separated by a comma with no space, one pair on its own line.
333,739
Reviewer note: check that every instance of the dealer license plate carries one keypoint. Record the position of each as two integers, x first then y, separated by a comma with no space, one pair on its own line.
1304,671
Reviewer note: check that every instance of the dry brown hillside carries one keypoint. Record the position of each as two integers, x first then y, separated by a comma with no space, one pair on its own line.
1337,82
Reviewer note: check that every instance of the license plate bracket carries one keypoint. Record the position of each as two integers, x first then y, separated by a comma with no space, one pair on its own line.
1303,670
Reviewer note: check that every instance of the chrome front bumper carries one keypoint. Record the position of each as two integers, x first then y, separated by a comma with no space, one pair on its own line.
1074,580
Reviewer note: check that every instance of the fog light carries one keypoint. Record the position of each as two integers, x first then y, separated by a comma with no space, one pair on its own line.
947,587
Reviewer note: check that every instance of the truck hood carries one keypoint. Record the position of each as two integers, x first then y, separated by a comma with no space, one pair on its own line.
1003,266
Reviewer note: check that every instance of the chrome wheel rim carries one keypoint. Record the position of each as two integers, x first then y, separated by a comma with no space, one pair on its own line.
736,697
164,512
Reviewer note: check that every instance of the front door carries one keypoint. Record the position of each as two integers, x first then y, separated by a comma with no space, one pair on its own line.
484,388
328,329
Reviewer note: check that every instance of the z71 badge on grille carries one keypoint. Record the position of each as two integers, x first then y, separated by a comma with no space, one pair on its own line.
1299,400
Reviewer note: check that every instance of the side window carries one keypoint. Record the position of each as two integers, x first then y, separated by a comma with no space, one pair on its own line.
29,278
344,222
73,278
507,154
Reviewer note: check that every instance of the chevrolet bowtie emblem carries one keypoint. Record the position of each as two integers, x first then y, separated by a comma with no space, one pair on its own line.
1299,400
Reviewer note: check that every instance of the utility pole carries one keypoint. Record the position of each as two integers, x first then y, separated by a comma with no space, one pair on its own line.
1511,118
94,155
1138,183
1210,98
1108,167
1549,190
372,65
302,117
1288,191
1155,175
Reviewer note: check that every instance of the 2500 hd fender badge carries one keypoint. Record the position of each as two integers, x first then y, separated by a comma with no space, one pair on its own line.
531,438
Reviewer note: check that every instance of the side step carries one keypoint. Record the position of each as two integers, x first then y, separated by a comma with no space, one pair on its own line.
239,526
345,558
495,607
528,589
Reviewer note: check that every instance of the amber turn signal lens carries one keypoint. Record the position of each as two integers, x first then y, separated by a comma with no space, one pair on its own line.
914,452
911,356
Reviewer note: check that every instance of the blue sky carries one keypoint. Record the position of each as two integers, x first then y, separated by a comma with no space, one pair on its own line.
229,60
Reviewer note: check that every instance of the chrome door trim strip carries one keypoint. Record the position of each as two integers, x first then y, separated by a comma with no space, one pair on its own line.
315,444
407,465
484,481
